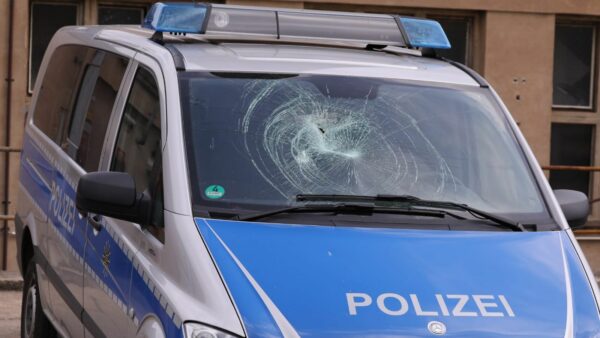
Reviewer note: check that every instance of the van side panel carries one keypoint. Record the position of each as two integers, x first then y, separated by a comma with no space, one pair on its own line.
30,214
70,76
61,256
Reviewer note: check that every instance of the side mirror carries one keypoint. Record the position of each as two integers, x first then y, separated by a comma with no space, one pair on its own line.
575,206
112,194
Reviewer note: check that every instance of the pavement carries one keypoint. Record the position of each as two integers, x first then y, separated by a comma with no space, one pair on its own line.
10,314
10,281
11,284
10,304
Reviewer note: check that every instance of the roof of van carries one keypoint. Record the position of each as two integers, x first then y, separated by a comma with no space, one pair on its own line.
228,54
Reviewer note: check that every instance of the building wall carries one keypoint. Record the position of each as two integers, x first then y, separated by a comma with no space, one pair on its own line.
3,85
19,100
577,7
512,43
519,67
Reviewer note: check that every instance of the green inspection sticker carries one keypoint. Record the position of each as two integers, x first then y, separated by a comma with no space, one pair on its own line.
214,191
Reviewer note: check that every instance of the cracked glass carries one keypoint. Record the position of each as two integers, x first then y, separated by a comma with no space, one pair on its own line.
257,140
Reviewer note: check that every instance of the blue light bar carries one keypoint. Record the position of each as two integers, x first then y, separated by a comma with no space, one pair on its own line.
424,33
237,22
177,18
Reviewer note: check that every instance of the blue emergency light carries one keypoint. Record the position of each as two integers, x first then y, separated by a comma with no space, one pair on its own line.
177,18
289,24
424,33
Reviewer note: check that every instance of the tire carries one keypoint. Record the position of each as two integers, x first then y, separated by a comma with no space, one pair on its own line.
34,323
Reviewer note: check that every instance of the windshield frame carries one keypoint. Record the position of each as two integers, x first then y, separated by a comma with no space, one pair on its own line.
224,209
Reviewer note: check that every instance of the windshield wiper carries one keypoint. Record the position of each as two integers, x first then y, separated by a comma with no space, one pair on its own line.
355,208
415,201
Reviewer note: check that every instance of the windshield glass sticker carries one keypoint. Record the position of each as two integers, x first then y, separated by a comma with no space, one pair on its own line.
214,191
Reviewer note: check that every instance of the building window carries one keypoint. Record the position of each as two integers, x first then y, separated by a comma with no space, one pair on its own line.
574,46
112,15
458,30
571,144
45,20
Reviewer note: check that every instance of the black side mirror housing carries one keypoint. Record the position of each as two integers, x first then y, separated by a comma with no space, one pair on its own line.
575,206
112,194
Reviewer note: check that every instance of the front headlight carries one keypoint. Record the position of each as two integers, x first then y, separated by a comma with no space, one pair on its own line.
195,330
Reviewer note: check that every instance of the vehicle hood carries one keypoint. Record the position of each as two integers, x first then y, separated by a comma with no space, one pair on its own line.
324,281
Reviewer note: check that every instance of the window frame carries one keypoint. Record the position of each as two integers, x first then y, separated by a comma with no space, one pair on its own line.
470,20
79,10
585,118
593,147
588,116
141,7
591,108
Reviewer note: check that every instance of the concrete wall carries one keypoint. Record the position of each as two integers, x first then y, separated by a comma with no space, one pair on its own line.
3,85
519,66
577,7
19,99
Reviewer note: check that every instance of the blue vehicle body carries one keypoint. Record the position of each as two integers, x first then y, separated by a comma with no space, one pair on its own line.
492,284
303,278
133,292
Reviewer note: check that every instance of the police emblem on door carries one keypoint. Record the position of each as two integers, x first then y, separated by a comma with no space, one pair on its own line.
437,328
106,257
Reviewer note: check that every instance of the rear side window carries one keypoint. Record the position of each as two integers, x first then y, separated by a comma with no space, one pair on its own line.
97,95
76,98
58,90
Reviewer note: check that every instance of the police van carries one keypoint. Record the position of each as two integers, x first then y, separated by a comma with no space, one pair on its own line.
227,171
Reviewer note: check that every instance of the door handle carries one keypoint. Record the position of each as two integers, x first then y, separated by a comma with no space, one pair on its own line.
95,221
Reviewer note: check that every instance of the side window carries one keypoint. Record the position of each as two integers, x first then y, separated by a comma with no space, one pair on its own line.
138,150
95,101
58,90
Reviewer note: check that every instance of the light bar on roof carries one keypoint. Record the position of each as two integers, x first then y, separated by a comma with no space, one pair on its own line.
176,18
289,24
376,29
424,33
242,21
303,25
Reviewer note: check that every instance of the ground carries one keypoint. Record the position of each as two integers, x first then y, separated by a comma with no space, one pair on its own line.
10,313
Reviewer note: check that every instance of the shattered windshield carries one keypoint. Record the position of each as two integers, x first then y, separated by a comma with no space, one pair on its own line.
260,139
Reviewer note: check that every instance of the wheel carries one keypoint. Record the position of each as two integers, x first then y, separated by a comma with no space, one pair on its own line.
34,323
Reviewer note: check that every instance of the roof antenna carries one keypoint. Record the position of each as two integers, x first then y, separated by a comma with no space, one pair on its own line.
158,38
429,52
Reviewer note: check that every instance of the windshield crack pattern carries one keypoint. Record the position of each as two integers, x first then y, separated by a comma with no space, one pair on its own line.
305,140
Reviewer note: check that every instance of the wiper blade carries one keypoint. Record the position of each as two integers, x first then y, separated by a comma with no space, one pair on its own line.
515,226
355,208
416,201
353,198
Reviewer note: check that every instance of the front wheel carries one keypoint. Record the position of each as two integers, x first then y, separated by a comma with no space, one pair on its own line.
34,323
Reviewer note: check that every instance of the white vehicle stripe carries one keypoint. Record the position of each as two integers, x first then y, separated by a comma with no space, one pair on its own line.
284,325
569,293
